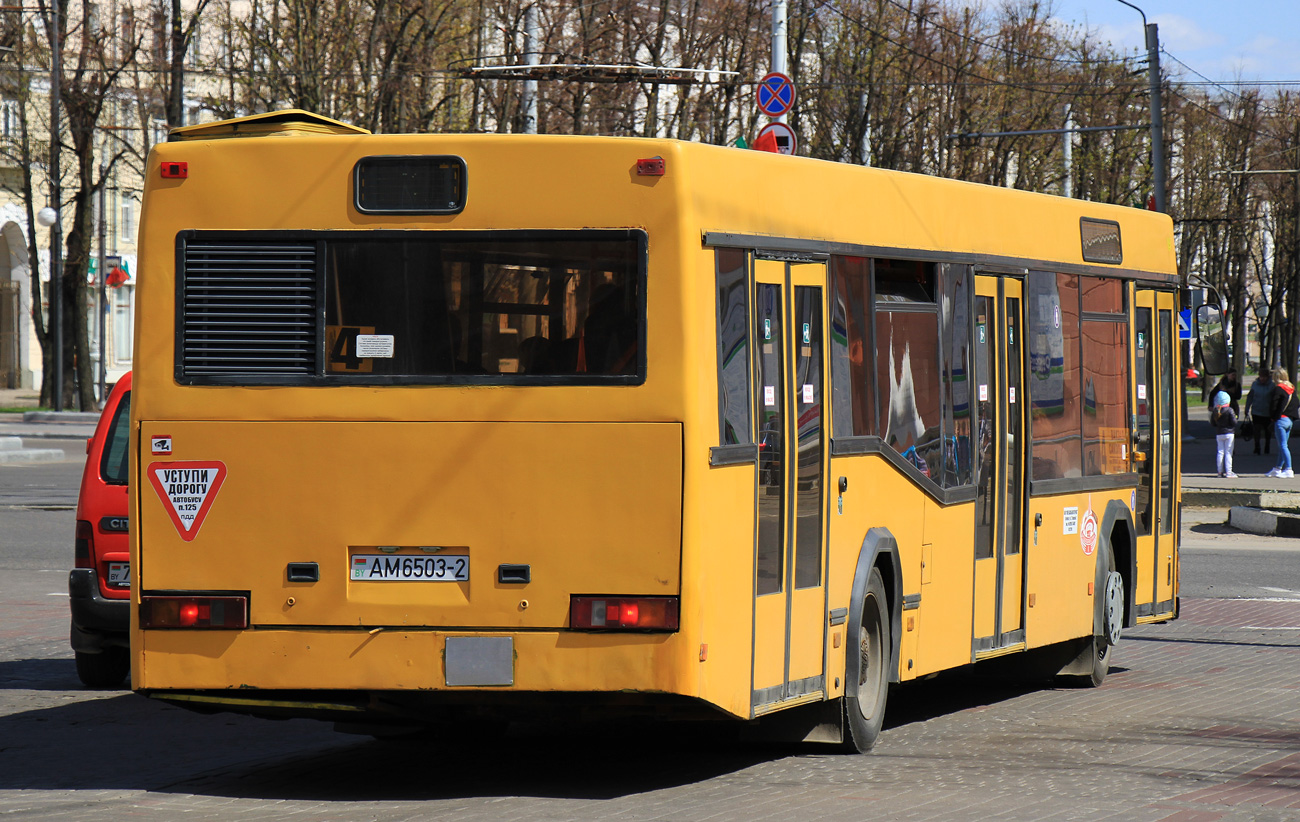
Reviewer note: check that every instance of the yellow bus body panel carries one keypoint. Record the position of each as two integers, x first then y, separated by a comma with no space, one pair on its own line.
552,496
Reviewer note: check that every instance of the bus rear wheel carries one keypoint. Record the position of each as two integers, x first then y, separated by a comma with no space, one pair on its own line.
866,672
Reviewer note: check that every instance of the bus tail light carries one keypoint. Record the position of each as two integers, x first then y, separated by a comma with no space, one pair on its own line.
83,547
194,612
587,613
650,167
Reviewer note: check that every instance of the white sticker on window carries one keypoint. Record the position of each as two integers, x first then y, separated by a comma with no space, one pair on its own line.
984,393
769,395
1011,393
1142,391
375,345
1071,524
808,394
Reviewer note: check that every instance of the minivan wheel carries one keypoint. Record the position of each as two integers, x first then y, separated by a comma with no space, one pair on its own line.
106,669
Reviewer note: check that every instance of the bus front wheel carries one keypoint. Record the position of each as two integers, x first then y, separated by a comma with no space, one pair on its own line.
866,672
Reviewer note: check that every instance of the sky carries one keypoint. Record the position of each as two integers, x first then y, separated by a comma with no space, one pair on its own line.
1225,40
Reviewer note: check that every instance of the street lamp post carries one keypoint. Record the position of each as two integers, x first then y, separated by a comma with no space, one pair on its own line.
55,224
1157,124
49,217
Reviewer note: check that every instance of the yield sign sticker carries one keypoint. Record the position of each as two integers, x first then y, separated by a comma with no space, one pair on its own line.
187,490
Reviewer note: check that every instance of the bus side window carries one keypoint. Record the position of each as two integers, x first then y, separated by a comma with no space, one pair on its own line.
956,330
852,378
733,347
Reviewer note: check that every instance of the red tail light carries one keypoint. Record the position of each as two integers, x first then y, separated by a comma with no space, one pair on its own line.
194,612
650,167
84,546
587,613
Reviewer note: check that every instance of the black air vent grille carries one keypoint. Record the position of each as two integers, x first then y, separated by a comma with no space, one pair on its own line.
248,309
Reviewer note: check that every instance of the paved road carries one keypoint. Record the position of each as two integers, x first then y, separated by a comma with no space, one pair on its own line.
1199,721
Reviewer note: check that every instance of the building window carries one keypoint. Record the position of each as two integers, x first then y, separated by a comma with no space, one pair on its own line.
128,221
121,303
194,47
9,125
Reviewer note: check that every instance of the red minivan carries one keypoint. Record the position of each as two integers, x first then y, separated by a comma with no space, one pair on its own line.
99,587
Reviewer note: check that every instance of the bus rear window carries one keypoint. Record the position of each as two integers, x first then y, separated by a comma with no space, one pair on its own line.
438,308
414,307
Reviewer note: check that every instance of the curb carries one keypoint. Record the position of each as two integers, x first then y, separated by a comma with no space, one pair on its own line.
78,417
1267,523
1231,498
12,450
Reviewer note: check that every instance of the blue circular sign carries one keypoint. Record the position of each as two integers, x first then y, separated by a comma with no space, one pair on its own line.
775,94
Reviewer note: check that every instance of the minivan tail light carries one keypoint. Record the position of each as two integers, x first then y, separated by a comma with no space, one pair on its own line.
84,546
606,613
194,612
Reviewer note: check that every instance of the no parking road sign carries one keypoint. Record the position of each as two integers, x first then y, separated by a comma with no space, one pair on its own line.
775,94
777,138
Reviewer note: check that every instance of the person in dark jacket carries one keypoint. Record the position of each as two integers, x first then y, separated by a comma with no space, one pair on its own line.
1257,403
1284,408
1230,385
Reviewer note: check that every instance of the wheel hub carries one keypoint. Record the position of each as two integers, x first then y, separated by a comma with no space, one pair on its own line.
1114,605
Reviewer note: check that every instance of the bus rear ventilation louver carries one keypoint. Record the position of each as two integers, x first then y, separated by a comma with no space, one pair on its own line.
248,309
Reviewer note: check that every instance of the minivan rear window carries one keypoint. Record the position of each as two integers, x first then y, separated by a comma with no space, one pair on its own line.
113,463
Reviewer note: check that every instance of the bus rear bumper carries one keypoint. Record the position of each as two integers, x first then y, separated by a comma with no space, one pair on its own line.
340,671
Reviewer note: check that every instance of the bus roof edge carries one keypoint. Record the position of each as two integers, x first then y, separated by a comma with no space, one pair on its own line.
269,122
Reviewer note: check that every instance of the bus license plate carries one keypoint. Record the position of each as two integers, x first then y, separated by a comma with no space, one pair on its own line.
119,573
406,568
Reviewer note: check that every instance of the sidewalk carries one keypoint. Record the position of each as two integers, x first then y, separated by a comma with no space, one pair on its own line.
1202,488
40,436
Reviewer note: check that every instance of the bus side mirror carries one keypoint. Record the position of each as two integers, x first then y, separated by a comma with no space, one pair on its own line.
1211,338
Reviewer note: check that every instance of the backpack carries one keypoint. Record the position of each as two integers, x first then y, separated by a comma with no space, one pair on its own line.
1223,418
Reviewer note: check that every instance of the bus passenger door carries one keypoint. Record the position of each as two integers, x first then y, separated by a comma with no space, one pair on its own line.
1156,384
1000,491
789,584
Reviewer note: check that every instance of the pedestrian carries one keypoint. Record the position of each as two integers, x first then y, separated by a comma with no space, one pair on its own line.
1257,403
1283,408
1225,431
1230,385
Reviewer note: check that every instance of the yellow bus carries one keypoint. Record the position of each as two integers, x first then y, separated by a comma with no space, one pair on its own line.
434,427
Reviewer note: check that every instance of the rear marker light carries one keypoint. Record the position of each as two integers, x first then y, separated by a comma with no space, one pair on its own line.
84,543
650,167
194,612
598,613
178,171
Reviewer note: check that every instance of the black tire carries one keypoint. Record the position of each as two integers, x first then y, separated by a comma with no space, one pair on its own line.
1098,647
106,669
867,671
1101,645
